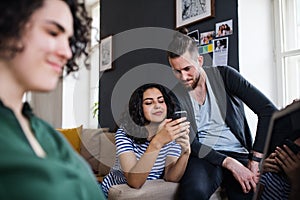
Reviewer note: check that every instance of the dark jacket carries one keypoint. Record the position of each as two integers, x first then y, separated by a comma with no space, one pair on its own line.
230,90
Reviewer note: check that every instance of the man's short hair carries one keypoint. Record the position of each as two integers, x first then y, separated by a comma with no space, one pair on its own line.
182,43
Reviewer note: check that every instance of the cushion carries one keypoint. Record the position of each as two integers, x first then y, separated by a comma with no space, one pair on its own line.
107,151
90,142
154,189
73,136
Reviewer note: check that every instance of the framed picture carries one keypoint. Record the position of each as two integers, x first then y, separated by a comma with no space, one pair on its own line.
190,11
106,53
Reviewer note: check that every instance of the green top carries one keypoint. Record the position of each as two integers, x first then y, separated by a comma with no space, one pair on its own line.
62,174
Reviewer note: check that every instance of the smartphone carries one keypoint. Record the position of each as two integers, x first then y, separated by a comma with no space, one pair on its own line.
292,146
179,114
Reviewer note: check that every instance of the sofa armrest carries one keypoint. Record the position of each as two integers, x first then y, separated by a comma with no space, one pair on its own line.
154,189
98,149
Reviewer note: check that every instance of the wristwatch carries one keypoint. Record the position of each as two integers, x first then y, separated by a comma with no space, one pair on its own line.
254,158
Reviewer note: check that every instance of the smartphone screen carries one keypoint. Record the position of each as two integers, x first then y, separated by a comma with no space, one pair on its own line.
294,147
179,114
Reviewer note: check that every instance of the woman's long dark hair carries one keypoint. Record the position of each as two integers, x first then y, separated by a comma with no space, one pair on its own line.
15,14
134,121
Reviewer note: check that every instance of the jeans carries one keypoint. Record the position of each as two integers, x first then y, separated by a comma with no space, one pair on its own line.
201,179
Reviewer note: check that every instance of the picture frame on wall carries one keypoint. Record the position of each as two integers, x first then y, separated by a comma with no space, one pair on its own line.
190,11
106,53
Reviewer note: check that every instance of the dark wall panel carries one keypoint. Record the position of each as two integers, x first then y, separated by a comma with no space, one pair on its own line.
118,16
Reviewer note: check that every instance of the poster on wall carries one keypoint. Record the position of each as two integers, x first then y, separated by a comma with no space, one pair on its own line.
206,37
190,11
206,42
220,53
224,28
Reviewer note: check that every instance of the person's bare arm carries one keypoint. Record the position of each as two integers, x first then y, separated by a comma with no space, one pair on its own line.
175,168
253,165
136,171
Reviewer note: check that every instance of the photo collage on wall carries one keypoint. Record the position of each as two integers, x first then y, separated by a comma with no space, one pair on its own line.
215,41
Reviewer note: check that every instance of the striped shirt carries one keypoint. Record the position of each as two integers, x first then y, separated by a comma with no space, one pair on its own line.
125,144
275,186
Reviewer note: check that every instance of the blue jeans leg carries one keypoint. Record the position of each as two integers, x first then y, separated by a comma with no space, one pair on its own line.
200,180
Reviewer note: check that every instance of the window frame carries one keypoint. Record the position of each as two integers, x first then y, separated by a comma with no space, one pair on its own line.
280,52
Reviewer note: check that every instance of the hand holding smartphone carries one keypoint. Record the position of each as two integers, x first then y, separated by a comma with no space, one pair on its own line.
179,114
292,146
183,141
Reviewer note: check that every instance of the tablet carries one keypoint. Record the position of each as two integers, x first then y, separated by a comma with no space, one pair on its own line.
284,124
284,128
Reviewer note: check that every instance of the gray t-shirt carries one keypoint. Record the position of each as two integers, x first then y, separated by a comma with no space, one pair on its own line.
211,127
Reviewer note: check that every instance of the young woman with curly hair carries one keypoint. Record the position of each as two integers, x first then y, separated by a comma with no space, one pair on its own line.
150,145
38,39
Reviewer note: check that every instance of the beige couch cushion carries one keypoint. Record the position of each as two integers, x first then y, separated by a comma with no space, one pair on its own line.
154,189
90,142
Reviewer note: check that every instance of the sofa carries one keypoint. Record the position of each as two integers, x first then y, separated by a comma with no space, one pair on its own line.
97,147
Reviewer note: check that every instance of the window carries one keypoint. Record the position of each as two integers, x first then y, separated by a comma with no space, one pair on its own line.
287,49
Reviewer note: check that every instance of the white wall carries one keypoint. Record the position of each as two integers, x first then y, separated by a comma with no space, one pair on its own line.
256,58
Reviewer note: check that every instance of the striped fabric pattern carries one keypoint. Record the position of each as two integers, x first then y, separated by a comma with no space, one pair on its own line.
276,186
125,144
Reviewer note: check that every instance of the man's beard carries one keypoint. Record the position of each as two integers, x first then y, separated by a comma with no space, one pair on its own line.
194,85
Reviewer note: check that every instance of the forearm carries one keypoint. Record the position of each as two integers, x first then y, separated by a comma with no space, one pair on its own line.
255,157
257,154
176,171
139,173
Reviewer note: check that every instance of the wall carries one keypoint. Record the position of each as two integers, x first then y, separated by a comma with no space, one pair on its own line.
254,42
117,17
254,45
256,49
255,58
136,14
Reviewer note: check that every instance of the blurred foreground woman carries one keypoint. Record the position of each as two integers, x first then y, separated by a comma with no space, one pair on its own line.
38,38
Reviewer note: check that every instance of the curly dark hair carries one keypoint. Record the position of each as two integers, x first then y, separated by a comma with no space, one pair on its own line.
182,43
16,13
134,121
